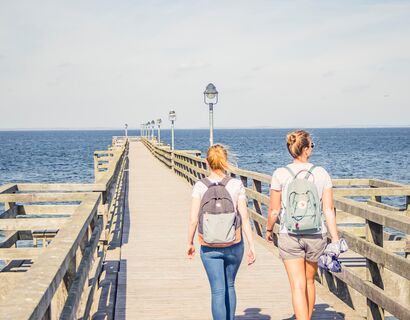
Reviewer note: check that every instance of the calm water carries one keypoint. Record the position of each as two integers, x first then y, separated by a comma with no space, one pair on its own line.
67,156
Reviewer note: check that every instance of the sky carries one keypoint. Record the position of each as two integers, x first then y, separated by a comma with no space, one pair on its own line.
99,64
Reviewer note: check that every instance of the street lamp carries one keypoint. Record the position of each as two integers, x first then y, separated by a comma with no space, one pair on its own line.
147,129
211,98
152,129
126,130
159,121
172,118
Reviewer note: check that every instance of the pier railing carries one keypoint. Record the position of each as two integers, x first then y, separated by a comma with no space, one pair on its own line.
68,228
376,271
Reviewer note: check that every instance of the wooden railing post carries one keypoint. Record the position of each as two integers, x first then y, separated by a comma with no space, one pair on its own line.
374,271
95,167
408,203
257,186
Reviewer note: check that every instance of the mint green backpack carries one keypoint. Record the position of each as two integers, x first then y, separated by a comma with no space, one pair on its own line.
303,208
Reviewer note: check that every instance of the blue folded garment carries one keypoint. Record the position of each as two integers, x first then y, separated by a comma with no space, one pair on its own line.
329,259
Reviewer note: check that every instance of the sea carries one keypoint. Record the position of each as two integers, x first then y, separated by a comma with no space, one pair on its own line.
67,156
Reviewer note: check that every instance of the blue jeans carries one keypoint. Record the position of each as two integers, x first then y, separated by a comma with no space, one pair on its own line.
221,265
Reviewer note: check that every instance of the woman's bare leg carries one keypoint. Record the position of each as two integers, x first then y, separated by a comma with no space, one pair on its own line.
297,278
311,268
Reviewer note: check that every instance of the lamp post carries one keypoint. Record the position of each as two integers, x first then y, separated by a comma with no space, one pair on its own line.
211,98
147,129
126,130
159,121
172,118
152,129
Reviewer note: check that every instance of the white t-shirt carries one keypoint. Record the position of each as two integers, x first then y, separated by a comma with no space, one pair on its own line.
234,186
281,178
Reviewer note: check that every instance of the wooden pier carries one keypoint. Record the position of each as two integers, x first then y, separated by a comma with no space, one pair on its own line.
115,249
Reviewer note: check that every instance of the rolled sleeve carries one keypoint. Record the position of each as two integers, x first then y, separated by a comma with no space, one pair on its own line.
197,190
242,192
275,183
327,181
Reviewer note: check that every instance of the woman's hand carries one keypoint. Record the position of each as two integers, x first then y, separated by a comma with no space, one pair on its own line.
251,256
268,236
190,251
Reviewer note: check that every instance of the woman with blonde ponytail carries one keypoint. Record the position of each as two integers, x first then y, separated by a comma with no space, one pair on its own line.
300,247
221,258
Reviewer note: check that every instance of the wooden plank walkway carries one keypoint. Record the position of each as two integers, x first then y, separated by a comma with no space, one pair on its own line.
157,281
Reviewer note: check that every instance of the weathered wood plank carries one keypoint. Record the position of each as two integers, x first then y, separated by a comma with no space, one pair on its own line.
42,197
21,253
10,239
32,224
8,188
386,218
25,187
371,191
375,294
382,205
46,209
350,182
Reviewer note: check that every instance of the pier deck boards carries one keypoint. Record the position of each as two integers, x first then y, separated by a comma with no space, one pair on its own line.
157,281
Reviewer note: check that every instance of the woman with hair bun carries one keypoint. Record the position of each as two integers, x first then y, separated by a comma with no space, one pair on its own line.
219,211
301,195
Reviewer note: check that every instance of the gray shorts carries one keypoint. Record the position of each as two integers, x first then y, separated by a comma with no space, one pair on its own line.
308,247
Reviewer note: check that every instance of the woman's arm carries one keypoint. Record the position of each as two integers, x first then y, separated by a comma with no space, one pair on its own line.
273,212
246,227
193,223
327,204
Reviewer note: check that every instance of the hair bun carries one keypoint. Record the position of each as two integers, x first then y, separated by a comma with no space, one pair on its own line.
291,138
297,141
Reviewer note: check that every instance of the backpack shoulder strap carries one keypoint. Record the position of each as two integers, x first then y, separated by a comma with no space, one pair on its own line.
206,182
310,172
225,181
291,172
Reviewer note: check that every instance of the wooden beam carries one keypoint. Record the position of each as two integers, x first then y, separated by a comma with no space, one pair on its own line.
7,188
358,192
32,224
10,240
264,178
55,187
377,254
350,182
374,293
255,195
384,217
46,209
382,205
43,197
21,253
378,183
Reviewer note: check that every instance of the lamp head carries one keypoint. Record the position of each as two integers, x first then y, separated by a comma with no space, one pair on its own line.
210,94
172,115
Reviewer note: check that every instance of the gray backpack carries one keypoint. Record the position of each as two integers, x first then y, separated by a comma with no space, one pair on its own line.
218,217
303,209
